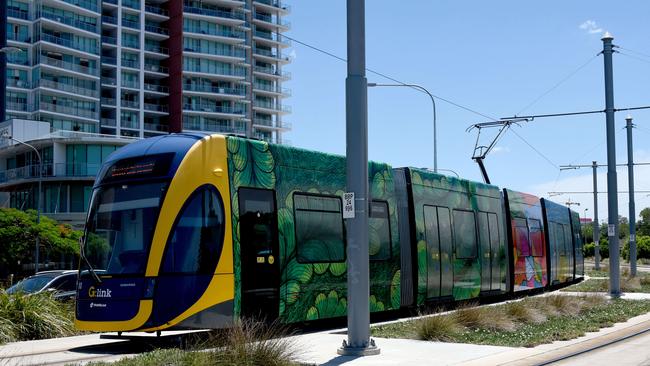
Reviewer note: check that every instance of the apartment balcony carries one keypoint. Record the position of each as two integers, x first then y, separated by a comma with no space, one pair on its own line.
18,106
133,4
211,108
110,102
157,69
156,127
109,40
130,24
19,37
108,122
18,58
209,89
153,107
134,104
107,81
273,72
131,84
270,139
87,5
153,88
68,43
158,32
50,170
216,73
217,34
271,21
271,89
270,124
237,53
134,125
151,9
69,110
17,83
231,17
271,38
108,60
107,19
273,5
134,64
273,55
156,49
18,14
131,44
91,93
271,107
112,2
69,21
69,66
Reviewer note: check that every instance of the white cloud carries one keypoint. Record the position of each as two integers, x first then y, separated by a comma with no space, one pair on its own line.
500,149
293,55
591,27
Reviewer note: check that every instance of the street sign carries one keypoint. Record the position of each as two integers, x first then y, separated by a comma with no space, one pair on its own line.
348,205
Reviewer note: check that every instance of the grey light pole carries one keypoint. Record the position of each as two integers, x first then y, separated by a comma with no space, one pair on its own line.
596,228
38,196
356,107
612,184
630,178
433,103
585,217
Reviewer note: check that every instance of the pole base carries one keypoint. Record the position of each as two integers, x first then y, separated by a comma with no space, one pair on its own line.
347,350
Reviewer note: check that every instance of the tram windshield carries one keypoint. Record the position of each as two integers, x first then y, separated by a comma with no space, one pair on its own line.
121,225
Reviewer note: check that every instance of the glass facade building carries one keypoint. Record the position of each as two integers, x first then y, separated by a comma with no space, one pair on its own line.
113,70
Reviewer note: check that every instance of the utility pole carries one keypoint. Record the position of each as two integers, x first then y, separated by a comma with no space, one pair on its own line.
630,178
356,107
612,184
596,229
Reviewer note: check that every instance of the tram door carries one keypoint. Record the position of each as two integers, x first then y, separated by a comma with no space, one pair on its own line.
260,273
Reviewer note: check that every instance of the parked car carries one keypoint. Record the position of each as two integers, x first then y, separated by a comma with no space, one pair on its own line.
61,282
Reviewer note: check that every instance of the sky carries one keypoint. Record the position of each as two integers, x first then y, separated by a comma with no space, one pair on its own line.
497,58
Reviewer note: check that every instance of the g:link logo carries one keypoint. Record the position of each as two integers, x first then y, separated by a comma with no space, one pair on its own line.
97,293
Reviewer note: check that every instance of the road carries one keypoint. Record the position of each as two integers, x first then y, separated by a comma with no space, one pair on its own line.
632,351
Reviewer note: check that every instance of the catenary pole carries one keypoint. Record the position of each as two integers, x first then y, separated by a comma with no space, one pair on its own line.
630,178
356,106
596,225
612,185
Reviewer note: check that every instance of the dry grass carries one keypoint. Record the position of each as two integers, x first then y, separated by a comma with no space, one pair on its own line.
523,313
438,328
488,317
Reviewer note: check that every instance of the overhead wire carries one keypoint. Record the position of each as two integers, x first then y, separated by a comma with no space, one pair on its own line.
551,89
390,78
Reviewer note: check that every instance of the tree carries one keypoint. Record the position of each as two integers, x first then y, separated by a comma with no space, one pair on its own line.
623,227
18,232
643,226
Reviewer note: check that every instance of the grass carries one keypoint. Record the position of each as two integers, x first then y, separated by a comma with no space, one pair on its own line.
249,343
37,316
640,283
526,323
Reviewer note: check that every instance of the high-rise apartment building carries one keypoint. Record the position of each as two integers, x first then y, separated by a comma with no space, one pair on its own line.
113,70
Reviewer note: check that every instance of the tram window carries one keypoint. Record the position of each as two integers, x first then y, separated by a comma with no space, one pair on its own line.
319,228
379,231
465,234
195,243
522,242
536,238
561,245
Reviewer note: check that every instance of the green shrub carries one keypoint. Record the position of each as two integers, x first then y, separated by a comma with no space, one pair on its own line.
642,248
34,316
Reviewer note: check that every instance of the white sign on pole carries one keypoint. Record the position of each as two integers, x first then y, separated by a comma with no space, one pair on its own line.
348,205
611,230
